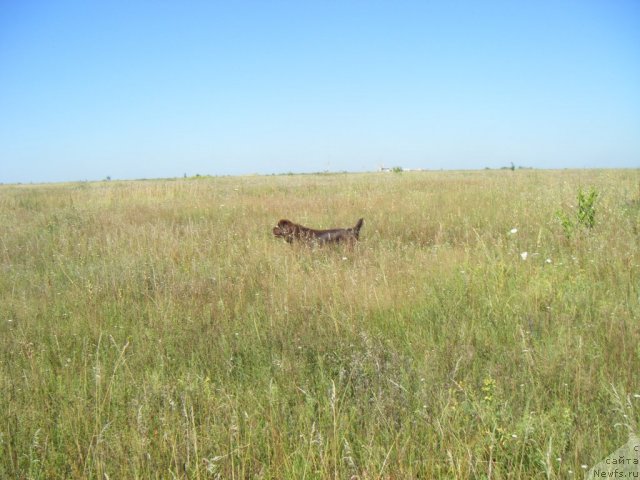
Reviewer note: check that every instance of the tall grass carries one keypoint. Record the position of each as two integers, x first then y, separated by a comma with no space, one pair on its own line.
155,329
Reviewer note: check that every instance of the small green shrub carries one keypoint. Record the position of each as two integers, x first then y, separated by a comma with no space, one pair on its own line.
585,216
566,222
587,208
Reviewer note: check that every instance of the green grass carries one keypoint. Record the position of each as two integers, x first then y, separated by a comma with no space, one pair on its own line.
156,329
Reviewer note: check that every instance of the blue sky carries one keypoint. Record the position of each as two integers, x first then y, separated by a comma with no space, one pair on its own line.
147,89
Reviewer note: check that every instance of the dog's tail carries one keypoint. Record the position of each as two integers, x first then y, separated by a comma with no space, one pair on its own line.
356,229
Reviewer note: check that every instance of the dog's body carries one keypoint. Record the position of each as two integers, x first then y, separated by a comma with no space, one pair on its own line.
292,231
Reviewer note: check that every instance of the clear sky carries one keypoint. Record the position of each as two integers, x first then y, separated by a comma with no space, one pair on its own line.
146,89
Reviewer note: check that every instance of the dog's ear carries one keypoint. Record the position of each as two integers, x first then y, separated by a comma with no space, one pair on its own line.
287,227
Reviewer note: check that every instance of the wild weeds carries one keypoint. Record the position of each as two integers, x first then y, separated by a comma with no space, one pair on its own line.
585,216
586,208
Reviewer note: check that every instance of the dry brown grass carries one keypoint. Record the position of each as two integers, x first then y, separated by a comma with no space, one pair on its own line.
157,329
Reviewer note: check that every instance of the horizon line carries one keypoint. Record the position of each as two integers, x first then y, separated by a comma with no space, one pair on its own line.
381,170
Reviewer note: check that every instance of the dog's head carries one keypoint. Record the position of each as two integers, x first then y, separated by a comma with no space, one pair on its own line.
285,229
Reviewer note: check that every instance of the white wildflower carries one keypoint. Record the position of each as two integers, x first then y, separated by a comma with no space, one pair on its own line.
513,231
524,255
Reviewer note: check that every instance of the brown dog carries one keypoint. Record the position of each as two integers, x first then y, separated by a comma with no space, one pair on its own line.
292,231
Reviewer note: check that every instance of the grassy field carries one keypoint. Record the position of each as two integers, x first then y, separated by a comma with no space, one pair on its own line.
156,329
